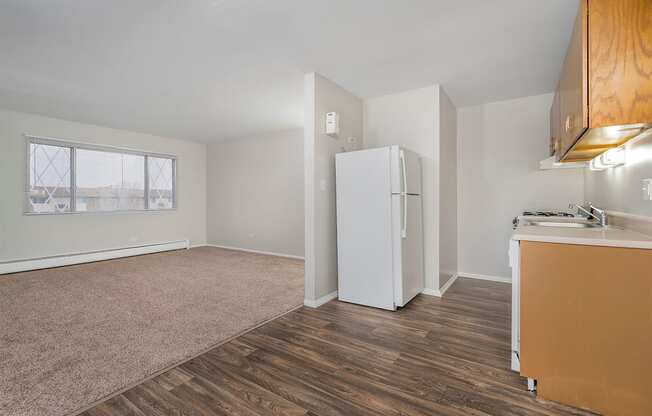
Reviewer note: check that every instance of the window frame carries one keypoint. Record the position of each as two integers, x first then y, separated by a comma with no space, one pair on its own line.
73,146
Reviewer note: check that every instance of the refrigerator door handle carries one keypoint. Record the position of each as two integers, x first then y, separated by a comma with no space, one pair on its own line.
404,230
403,171
404,194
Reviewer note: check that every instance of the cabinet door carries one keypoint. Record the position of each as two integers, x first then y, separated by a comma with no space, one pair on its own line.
573,84
555,139
620,39
586,325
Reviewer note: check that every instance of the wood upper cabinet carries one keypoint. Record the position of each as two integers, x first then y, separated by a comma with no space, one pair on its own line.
605,88
555,134
573,120
620,70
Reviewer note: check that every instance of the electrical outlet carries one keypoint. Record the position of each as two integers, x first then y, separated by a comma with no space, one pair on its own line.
647,189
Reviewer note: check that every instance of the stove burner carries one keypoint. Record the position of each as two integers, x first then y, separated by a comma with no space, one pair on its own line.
547,214
515,222
564,214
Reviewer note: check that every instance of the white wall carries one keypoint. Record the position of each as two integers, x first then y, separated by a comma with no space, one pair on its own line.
322,96
447,188
255,193
23,236
410,120
499,147
620,189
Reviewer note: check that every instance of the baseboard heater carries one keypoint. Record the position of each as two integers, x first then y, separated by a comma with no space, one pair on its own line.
15,266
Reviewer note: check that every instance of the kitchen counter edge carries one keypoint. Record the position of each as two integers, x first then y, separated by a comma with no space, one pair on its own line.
607,237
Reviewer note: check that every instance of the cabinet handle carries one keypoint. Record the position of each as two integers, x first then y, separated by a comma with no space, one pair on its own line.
567,125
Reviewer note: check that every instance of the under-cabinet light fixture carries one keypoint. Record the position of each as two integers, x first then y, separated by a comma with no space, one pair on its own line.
609,159
596,165
614,157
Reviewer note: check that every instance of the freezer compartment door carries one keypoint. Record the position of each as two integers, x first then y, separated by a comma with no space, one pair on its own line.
407,223
406,171
364,228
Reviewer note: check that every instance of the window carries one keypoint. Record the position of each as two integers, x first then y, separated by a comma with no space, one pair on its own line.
49,178
161,182
108,181
70,178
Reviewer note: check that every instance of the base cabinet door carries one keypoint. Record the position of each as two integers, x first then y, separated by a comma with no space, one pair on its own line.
586,325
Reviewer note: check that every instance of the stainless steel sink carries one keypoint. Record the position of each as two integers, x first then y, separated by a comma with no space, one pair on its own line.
565,224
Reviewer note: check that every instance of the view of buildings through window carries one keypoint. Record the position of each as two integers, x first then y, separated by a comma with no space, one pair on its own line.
107,181
98,180
49,178
161,183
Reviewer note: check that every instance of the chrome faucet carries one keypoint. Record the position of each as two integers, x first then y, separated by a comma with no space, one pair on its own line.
601,216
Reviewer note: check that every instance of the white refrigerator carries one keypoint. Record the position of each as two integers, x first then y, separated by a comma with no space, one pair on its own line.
379,227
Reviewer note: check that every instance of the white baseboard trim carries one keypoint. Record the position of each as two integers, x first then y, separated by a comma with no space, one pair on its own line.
267,253
320,301
24,265
440,292
448,284
431,292
486,277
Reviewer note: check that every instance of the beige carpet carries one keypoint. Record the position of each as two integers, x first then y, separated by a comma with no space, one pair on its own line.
73,335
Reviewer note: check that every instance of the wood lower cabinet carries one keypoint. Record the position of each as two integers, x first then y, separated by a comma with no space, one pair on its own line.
586,325
605,87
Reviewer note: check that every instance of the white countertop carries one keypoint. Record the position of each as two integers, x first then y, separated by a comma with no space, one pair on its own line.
608,237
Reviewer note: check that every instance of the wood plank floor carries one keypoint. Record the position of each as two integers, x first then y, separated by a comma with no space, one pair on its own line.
445,356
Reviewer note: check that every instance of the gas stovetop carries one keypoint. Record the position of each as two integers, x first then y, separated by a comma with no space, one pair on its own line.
547,214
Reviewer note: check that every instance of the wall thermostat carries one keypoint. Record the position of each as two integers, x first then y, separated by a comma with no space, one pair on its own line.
332,123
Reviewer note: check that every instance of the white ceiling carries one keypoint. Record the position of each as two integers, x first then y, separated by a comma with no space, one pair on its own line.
214,69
